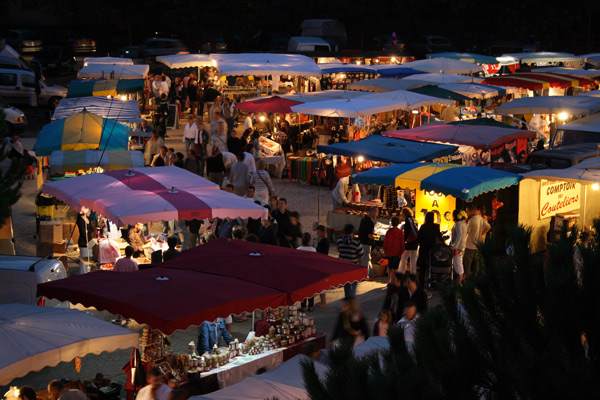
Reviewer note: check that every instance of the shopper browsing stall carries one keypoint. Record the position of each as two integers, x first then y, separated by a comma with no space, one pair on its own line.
210,333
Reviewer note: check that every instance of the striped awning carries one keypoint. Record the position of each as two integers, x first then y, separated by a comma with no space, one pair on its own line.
104,87
537,80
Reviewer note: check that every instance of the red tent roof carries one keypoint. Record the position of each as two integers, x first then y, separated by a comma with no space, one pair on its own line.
213,280
478,136
166,299
274,104
537,80
299,274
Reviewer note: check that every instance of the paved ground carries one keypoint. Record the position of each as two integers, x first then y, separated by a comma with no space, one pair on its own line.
301,198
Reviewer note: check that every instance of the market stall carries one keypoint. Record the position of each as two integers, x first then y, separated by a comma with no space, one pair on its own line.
339,75
74,161
479,90
396,71
472,58
113,108
105,87
107,60
34,337
442,64
114,71
81,131
551,198
386,84
250,276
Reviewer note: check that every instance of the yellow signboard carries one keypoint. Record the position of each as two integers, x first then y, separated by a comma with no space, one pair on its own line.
441,206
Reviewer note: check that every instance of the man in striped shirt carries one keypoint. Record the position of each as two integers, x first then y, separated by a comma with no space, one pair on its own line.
350,249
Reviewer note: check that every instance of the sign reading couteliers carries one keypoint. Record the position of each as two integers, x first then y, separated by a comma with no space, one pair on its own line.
558,197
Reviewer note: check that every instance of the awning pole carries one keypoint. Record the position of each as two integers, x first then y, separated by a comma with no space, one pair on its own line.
584,207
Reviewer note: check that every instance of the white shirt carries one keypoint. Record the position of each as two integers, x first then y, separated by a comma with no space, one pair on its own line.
248,123
229,158
163,393
72,394
253,199
163,88
190,132
249,160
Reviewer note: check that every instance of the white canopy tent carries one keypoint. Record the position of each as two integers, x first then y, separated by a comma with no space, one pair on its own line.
441,78
107,60
478,90
592,58
543,57
33,337
442,64
587,124
349,108
284,382
387,84
186,60
9,52
406,100
114,108
311,97
574,105
339,67
265,64
116,71
578,72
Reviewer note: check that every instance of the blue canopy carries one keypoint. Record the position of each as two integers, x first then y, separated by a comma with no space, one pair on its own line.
460,181
399,72
386,149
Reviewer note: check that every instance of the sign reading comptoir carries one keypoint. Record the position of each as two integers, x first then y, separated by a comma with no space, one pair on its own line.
558,197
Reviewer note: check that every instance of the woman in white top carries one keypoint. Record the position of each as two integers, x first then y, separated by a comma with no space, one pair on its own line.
261,180
190,135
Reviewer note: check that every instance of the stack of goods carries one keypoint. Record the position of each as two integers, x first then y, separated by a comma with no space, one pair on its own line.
151,345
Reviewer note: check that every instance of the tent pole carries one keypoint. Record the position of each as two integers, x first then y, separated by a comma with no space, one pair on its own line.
252,320
584,207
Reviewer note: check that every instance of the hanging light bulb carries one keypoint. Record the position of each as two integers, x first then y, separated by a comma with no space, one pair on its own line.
595,186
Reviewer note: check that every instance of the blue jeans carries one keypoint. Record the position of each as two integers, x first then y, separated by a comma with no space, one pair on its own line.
350,289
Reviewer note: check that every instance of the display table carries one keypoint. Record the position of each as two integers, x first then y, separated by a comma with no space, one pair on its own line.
236,370
276,164
337,220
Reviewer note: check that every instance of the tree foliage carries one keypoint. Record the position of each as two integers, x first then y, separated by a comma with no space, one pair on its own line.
11,176
524,328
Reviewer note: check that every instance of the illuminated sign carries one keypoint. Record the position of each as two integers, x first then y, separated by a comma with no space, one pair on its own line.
441,206
558,197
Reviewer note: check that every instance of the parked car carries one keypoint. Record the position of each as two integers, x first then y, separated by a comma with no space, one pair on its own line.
18,87
562,156
55,62
161,47
19,277
332,30
24,41
15,118
427,44
270,42
308,44
71,43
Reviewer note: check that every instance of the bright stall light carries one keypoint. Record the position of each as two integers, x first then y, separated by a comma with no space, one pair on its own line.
123,97
358,63
415,111
360,159
394,59
563,116
595,186
261,118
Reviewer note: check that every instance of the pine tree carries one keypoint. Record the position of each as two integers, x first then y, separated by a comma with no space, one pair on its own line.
523,328
11,178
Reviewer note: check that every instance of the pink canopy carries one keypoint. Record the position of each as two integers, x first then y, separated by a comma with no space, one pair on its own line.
151,194
477,136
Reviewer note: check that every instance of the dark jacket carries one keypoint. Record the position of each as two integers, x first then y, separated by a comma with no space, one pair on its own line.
268,235
283,226
429,234
215,164
344,323
419,297
365,229
413,245
395,297
323,246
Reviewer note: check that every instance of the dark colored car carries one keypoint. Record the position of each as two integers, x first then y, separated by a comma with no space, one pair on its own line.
56,62
71,43
24,41
430,44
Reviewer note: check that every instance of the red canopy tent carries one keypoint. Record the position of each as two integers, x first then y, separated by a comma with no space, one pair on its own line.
274,104
477,136
299,274
536,80
213,280
164,298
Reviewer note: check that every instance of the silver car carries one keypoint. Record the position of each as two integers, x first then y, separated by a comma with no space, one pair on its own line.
18,87
15,118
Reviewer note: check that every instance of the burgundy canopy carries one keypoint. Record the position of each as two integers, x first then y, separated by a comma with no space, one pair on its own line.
273,104
166,299
213,280
297,273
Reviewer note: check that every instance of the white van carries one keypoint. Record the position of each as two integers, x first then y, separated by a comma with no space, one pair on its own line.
19,277
17,86
307,44
332,30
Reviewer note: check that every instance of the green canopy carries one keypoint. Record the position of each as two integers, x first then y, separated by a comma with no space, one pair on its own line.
434,91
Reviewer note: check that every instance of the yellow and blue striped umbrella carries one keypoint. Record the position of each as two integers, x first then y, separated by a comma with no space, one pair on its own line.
82,131
104,87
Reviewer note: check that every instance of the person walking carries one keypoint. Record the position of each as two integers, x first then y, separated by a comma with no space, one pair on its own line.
190,134
239,176
458,243
323,248
393,247
261,180
350,249
429,234
366,232
351,324
215,167
411,244
476,228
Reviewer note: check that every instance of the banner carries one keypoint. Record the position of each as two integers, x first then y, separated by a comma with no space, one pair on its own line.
441,206
557,197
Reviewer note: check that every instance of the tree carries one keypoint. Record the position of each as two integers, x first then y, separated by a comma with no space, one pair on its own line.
524,328
11,176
